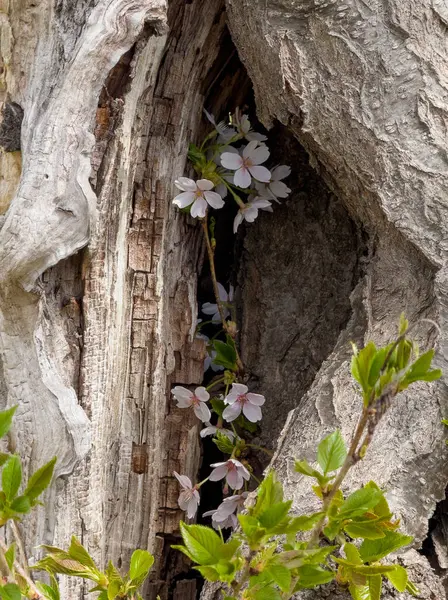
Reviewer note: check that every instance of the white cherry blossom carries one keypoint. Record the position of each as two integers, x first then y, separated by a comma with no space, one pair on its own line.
223,516
243,126
212,430
196,400
189,497
248,164
198,195
275,188
250,212
210,308
241,400
234,472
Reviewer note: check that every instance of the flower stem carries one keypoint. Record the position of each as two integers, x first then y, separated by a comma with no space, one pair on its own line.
269,452
213,383
211,259
234,194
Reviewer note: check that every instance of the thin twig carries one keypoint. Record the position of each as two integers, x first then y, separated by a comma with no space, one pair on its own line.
36,594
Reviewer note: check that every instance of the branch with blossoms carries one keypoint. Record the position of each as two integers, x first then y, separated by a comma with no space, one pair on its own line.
230,167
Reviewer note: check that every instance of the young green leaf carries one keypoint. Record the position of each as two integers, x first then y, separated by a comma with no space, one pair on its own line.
80,554
266,593
420,371
359,592
281,575
6,420
331,452
361,363
373,550
398,578
352,554
270,492
48,592
141,563
10,556
375,585
225,355
303,523
224,443
21,504
208,573
275,514
312,575
40,480
10,591
365,530
11,477
202,543
359,502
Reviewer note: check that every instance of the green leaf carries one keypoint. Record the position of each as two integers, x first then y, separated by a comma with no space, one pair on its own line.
275,514
398,578
382,508
359,502
281,575
141,563
419,370
40,480
6,420
373,569
80,554
373,550
225,355
361,364
375,585
266,593
312,575
270,492
359,592
21,504
10,556
304,522
49,592
331,452
303,467
10,591
352,554
224,443
218,406
202,543
365,530
209,573
12,477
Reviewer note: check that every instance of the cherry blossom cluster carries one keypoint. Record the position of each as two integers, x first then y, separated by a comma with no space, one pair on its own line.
227,165
230,163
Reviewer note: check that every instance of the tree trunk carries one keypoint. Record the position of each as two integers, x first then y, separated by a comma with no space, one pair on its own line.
92,340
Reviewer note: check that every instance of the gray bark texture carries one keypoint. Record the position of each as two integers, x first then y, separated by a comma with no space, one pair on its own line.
98,272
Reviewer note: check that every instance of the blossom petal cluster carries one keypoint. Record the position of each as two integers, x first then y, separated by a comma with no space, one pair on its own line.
247,164
209,308
189,498
224,516
195,400
232,470
240,400
198,195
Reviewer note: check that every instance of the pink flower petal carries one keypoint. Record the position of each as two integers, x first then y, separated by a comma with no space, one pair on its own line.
180,392
234,479
214,199
185,184
184,481
202,412
251,213
232,412
202,394
219,472
205,184
242,177
252,412
192,507
230,160
237,221
279,189
249,149
239,389
198,208
260,173
256,399
184,199
260,155
184,402
280,172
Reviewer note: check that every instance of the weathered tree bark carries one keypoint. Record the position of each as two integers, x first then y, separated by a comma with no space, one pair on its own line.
91,341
